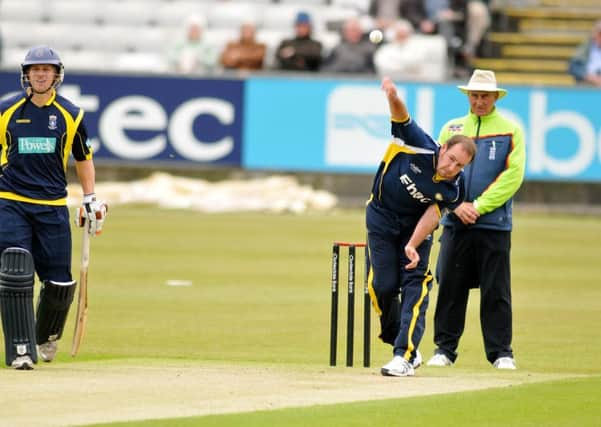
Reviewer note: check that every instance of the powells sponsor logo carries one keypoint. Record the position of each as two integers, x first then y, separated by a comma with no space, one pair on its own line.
37,145
412,189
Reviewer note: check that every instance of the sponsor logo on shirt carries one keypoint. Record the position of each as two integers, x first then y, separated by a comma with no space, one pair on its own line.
36,145
412,189
492,151
456,127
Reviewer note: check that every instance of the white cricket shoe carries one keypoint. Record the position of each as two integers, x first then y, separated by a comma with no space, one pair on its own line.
47,351
505,363
417,360
439,359
398,367
23,363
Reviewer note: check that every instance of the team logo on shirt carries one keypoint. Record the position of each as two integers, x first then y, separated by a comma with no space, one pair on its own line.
52,122
414,168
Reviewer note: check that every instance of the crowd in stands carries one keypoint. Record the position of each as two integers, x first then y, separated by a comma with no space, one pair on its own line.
428,40
424,39
585,65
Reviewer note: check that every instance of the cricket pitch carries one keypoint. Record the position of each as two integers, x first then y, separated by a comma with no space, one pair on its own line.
67,394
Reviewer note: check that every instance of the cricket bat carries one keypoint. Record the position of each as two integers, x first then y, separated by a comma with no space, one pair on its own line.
82,300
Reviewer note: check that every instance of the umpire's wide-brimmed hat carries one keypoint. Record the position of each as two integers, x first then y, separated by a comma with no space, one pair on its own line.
483,81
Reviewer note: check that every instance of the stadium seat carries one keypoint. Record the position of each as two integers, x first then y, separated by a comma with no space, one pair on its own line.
148,62
305,2
116,12
88,60
280,16
22,10
232,15
361,6
176,13
68,11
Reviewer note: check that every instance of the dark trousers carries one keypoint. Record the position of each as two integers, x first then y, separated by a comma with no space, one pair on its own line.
474,258
42,230
399,296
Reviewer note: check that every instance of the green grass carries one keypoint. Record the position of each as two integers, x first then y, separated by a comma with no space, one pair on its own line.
260,294
559,403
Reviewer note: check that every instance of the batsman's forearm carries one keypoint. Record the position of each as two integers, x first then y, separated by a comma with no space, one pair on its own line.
425,226
87,175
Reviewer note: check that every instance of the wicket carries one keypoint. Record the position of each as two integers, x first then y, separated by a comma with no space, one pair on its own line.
350,322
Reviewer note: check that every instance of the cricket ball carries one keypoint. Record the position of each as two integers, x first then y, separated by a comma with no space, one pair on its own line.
376,36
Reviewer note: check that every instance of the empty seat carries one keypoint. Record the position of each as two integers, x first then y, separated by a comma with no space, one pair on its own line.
76,12
360,5
146,62
232,15
175,14
280,16
305,2
116,12
28,11
87,60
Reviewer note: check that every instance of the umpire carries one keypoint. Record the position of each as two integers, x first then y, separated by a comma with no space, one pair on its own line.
476,239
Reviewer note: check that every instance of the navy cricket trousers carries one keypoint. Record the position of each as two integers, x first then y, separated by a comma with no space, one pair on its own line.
44,231
399,296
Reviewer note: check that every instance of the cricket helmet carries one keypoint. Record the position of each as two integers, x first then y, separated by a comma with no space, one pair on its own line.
42,55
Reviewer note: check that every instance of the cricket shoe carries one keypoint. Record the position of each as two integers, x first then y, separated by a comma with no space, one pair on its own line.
505,363
398,367
417,360
47,351
439,359
22,363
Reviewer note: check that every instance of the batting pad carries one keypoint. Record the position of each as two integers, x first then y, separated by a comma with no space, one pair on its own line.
16,304
53,308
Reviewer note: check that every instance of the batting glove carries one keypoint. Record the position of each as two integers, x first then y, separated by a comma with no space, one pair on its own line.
93,212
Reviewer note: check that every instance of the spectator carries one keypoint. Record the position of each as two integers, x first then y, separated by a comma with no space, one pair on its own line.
245,53
301,53
478,22
585,65
386,12
193,55
410,56
354,53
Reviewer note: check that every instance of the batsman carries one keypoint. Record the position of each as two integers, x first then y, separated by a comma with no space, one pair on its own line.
39,129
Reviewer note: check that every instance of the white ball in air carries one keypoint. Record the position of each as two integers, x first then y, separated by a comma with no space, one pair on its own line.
376,36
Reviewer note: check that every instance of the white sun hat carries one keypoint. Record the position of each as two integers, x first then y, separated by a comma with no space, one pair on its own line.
483,81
